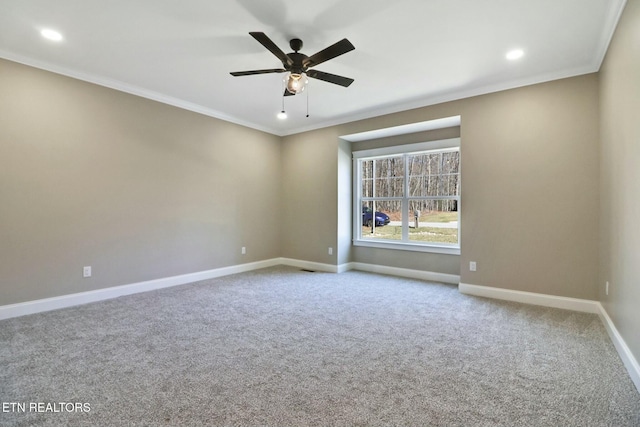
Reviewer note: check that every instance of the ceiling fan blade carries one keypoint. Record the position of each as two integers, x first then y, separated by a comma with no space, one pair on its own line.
331,78
336,49
287,93
252,72
272,47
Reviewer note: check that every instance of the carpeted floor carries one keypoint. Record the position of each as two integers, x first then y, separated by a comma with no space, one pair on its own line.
282,347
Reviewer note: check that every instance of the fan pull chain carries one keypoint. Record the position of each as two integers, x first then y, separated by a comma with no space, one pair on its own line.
282,115
307,100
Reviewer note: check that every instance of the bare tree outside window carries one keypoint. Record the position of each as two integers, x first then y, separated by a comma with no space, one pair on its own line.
419,192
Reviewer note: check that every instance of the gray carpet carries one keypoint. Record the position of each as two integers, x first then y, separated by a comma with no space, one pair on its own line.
282,347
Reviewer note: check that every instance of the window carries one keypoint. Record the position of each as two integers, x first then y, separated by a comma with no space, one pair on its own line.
408,197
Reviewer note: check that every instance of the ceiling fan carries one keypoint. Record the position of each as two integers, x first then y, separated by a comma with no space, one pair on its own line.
298,64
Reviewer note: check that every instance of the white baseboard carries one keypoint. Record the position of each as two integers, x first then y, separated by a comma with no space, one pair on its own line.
345,267
575,304
309,265
63,301
587,306
47,304
627,357
372,268
405,272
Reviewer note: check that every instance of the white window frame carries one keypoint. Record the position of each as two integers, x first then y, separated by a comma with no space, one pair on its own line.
404,244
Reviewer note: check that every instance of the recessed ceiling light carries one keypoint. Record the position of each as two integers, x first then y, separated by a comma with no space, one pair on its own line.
282,115
512,55
50,34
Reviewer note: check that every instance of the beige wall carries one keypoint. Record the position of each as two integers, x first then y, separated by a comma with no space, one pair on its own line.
310,195
620,184
134,188
141,190
344,202
529,188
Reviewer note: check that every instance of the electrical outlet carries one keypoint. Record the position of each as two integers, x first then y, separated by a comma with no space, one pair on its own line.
330,251
86,271
244,250
472,266
606,288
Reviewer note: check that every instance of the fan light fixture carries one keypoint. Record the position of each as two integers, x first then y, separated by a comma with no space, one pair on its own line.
296,82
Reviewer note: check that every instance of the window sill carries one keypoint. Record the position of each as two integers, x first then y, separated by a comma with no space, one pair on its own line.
402,246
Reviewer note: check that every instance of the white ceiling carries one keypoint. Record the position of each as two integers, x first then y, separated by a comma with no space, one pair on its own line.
409,53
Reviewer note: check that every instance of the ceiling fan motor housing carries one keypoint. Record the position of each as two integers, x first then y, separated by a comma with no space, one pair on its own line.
297,59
